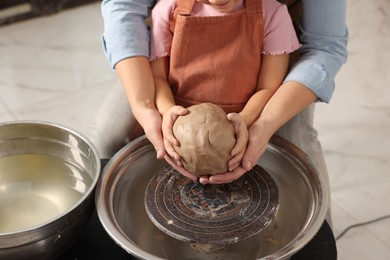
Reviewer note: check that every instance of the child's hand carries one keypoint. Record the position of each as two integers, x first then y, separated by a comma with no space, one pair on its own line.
239,148
169,119
172,157
181,169
235,169
257,144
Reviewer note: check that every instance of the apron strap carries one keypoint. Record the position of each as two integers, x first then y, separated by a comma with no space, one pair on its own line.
183,7
254,6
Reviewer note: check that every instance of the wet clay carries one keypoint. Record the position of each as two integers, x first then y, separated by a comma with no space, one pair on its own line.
206,139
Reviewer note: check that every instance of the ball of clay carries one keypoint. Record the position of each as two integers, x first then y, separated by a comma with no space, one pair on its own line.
206,139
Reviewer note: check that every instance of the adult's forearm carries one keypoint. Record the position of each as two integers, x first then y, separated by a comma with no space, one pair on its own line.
137,80
291,98
136,77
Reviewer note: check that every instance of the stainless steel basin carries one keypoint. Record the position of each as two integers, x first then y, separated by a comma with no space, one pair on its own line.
303,205
48,174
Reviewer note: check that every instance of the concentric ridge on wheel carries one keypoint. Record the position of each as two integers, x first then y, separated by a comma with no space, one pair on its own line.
215,214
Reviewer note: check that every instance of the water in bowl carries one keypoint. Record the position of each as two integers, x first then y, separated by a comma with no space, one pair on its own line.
37,188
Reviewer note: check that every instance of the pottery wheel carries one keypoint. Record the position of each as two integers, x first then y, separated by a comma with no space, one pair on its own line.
214,214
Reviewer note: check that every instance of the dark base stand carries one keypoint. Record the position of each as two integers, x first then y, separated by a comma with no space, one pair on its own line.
96,244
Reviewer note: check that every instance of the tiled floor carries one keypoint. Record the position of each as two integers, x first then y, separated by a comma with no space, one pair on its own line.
53,69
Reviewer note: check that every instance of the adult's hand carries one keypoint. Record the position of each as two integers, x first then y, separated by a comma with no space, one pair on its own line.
257,144
241,133
221,178
151,122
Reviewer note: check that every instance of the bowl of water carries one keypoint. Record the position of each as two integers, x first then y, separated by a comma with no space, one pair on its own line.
48,174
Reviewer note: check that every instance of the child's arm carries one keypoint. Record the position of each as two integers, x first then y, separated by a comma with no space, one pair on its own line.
272,72
166,106
164,96
165,103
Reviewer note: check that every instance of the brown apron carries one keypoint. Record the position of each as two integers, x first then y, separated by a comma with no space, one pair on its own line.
217,58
